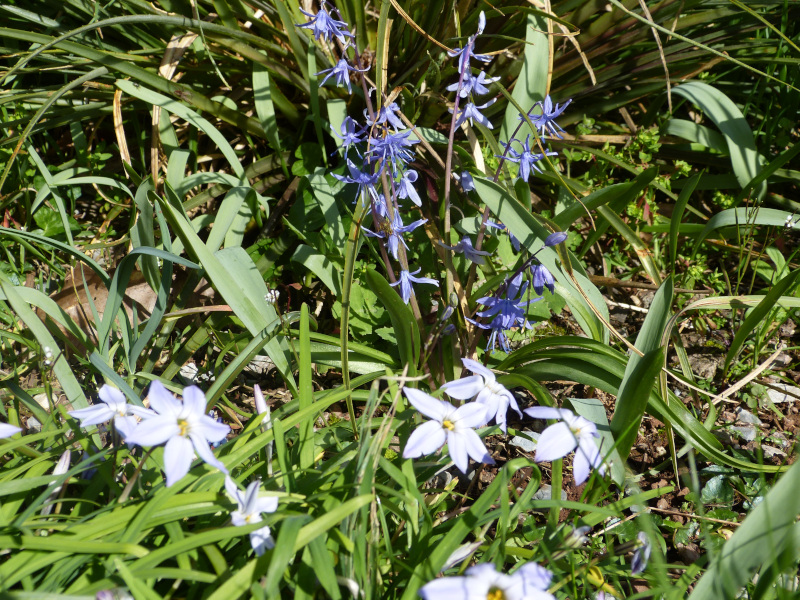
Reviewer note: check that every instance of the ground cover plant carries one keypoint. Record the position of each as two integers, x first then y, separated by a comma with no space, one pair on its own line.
399,300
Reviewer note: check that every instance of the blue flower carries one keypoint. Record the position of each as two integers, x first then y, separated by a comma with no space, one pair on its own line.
351,134
392,232
325,26
527,159
387,115
393,148
365,181
545,122
555,238
405,189
473,85
641,555
470,253
468,51
542,278
507,312
472,112
341,71
405,281
467,182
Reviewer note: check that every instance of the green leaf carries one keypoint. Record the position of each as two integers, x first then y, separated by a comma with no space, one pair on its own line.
405,326
742,217
769,531
745,159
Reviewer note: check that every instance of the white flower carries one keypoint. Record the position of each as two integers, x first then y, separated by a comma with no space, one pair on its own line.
114,407
495,397
249,512
449,424
641,555
484,582
560,439
184,426
7,430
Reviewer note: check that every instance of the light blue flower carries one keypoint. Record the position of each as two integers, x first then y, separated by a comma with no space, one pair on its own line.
114,407
484,388
366,181
542,278
527,159
473,84
406,278
529,582
386,114
448,424
249,510
325,26
555,238
545,123
572,432
472,112
392,231
405,187
467,182
641,555
184,427
351,134
470,253
393,148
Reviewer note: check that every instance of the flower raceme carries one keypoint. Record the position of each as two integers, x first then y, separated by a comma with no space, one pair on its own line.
448,424
572,432
184,428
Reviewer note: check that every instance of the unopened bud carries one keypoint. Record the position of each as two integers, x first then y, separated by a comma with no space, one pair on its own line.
555,238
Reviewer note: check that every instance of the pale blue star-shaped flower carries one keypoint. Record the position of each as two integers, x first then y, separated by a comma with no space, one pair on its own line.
184,427
392,232
545,122
405,187
572,432
249,510
114,407
483,386
324,25
448,424
387,114
405,281
366,181
393,148
351,134
473,84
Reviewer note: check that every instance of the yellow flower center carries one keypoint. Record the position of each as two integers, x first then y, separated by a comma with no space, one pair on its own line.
495,594
183,424
448,425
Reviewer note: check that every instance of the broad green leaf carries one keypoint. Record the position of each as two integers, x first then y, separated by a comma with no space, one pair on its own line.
742,217
405,326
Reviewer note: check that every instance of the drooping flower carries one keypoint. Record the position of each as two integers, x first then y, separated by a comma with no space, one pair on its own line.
341,70
555,238
249,510
7,430
508,310
472,112
527,159
366,181
470,253
386,114
641,555
351,133
473,84
545,122
485,582
114,407
542,278
405,187
467,182
483,386
325,26
392,231
448,424
183,426
393,148
406,278
572,432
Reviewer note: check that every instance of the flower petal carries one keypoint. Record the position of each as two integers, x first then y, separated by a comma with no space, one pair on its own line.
233,491
446,588
125,425
155,431
465,388
470,416
547,412
426,439
457,448
478,368
580,467
93,415
162,400
427,404
111,396
195,400
178,456
7,430
210,429
267,505
205,453
475,447
555,442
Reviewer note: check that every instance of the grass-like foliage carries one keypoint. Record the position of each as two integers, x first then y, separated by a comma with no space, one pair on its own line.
450,300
